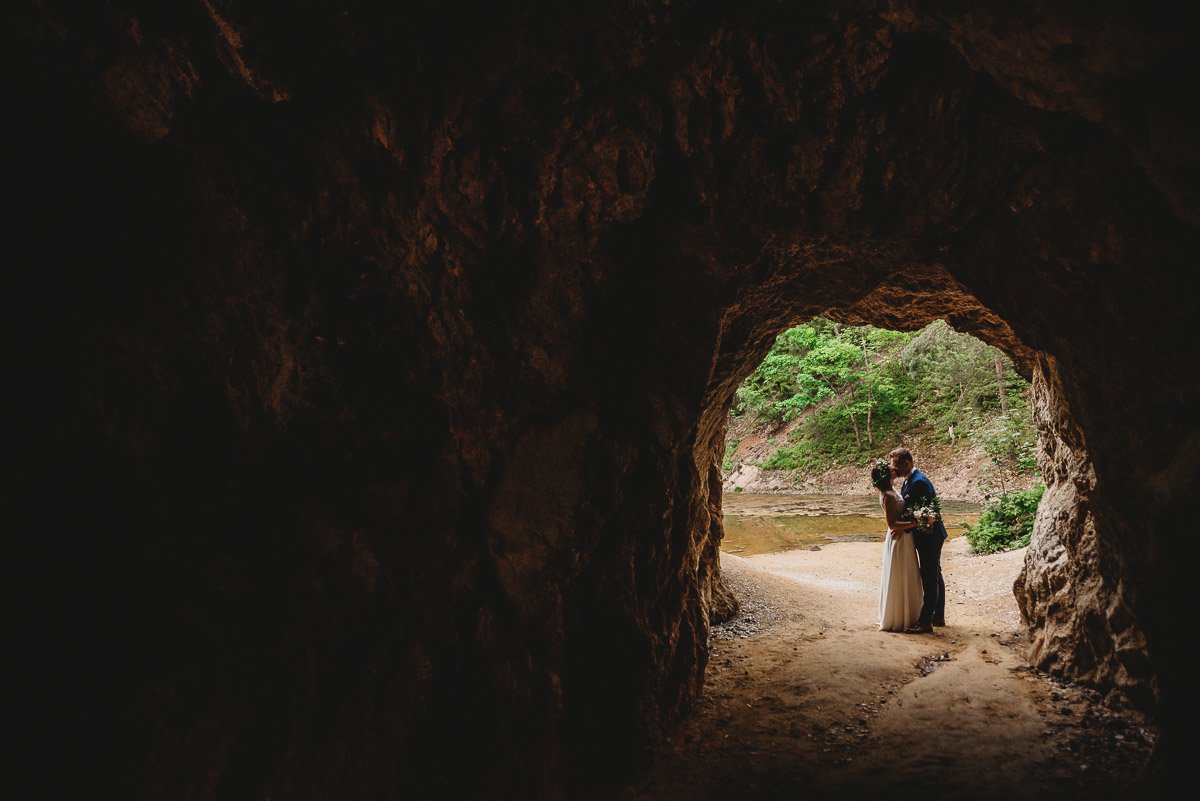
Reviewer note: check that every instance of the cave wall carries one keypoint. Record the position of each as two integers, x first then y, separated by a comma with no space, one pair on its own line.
1082,604
376,361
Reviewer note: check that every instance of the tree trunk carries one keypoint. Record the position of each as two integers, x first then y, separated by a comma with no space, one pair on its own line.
854,422
1000,383
870,399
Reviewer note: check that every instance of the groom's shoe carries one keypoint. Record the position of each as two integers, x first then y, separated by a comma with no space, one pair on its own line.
919,628
939,621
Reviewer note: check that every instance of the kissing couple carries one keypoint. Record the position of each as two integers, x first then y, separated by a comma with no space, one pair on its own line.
912,593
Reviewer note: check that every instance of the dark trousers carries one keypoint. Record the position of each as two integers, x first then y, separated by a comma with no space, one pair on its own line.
929,554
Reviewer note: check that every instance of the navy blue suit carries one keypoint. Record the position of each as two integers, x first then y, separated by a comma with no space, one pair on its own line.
917,490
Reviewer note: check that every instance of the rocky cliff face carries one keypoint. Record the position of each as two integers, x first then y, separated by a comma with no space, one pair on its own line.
375,362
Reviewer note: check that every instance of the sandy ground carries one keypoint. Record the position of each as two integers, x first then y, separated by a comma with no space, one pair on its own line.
804,697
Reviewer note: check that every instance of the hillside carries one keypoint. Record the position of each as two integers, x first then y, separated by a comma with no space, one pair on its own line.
955,470
829,400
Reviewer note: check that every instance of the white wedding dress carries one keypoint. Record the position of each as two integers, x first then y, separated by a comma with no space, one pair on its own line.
900,593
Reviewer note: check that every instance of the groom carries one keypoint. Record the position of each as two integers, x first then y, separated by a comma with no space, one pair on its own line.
917,490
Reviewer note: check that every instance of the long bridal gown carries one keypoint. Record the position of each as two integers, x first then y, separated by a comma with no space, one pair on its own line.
900,586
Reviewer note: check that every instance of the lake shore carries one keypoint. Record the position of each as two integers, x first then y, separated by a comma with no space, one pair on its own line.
805,698
766,523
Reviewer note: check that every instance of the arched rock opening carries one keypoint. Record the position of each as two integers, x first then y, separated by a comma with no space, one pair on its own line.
376,366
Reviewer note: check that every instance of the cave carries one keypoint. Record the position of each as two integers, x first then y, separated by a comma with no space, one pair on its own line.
373,362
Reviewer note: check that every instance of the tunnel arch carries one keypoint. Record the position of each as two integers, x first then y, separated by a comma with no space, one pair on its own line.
400,368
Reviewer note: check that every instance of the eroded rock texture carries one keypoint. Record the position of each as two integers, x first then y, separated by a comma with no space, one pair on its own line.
375,360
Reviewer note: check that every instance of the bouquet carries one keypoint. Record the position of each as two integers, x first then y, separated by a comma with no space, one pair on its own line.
926,514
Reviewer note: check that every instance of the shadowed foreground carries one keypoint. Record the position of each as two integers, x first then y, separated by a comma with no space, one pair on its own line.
806,699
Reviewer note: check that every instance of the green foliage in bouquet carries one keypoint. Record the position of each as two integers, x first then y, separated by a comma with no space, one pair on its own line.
925,515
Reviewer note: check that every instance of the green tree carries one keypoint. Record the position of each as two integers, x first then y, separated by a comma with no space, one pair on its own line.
1012,448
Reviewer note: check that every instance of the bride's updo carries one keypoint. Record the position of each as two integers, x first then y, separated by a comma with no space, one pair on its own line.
881,476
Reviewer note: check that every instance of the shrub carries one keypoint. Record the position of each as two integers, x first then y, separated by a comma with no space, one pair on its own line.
1006,522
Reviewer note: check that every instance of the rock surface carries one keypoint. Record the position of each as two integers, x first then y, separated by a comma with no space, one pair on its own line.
375,360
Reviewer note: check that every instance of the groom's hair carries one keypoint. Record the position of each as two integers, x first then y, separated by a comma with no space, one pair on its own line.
901,455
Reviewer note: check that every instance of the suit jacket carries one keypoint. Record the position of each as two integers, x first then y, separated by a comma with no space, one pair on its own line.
918,489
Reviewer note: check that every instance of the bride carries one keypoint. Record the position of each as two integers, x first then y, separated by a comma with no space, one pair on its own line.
900,586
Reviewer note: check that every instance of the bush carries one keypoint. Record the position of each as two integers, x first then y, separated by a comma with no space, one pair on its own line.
1006,522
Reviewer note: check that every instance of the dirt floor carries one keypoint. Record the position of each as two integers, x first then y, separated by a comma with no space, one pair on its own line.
805,698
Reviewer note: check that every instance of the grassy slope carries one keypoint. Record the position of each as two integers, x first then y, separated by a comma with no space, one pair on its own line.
954,469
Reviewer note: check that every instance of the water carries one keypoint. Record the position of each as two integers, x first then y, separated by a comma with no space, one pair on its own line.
757,524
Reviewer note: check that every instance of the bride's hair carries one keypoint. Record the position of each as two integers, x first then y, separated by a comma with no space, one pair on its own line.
881,478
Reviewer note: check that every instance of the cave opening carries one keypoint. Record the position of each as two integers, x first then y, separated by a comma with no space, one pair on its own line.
1024,595
797,688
